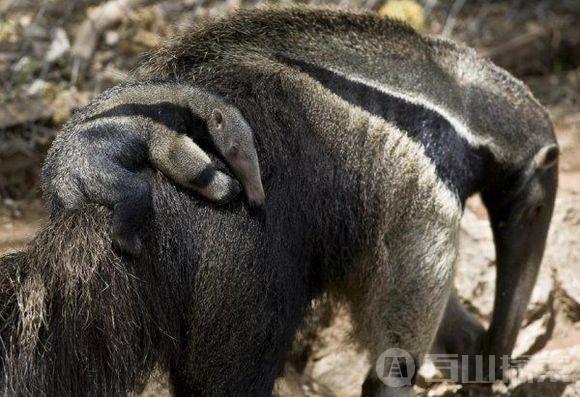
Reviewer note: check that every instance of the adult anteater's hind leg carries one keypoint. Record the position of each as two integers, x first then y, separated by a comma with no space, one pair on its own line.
247,305
398,303
239,356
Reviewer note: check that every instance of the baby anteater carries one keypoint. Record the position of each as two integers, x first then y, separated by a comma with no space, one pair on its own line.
159,123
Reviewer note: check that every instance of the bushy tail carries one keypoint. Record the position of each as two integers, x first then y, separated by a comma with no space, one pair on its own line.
78,319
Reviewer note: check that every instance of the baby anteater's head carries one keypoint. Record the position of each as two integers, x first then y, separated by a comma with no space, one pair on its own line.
227,133
233,139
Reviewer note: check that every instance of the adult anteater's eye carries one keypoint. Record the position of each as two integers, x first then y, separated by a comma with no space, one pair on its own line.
234,150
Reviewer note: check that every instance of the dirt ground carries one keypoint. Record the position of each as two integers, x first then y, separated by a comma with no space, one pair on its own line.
36,102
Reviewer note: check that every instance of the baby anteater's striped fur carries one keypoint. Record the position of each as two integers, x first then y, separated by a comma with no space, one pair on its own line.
160,123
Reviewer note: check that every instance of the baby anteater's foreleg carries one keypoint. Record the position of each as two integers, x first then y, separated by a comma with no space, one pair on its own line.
180,159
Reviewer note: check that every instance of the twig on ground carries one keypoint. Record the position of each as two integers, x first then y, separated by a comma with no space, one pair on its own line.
451,18
99,19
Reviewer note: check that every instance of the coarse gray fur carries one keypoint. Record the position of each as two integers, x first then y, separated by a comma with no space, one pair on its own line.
104,152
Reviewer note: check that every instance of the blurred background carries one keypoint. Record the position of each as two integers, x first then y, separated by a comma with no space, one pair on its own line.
56,54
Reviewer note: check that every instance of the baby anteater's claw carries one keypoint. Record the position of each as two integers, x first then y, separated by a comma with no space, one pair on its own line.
128,219
220,188
128,243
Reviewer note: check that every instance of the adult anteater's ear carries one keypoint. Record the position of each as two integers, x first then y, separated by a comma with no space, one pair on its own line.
546,157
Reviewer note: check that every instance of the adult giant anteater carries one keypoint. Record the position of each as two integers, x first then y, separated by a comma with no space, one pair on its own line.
356,207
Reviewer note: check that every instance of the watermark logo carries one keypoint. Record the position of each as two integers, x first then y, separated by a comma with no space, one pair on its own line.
395,368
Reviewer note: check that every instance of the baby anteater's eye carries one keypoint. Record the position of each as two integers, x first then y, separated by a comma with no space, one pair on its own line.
217,118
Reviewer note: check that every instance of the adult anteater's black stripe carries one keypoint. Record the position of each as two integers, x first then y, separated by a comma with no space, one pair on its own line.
204,177
175,117
458,164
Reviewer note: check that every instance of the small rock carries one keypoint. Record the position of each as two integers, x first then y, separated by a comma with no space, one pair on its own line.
36,32
535,336
541,299
146,39
38,87
25,67
408,11
9,203
572,390
59,46
444,389
111,76
65,102
429,371
111,38
25,21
